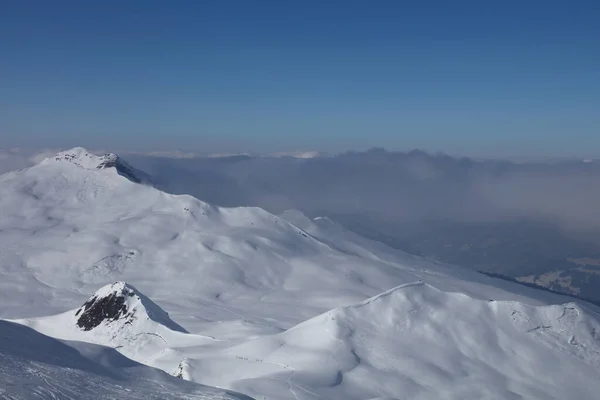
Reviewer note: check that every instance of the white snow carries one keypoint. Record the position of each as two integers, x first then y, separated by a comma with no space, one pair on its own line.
274,307
34,366
80,157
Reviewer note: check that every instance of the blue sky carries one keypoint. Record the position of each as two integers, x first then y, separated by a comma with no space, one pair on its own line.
466,77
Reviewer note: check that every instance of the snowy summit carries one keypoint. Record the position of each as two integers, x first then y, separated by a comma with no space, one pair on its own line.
121,304
87,160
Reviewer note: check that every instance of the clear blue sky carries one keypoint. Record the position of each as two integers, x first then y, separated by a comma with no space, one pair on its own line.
469,77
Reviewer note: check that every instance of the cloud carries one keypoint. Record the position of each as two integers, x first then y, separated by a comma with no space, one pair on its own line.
18,158
397,187
297,154
376,185
164,154
569,194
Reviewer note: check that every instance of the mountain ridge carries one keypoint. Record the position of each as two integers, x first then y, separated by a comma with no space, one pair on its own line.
87,160
431,342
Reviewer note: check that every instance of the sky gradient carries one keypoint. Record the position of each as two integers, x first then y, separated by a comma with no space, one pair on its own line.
466,77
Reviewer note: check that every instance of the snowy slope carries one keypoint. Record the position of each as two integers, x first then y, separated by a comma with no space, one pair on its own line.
34,366
86,160
68,227
418,342
242,288
119,316
414,340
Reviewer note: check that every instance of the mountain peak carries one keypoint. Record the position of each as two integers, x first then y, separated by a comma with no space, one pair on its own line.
120,304
88,160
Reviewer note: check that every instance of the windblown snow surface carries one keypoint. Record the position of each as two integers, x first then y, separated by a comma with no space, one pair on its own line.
274,307
39,367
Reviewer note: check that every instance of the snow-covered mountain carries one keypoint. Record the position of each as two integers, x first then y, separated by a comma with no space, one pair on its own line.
413,339
418,342
122,306
86,160
119,316
271,306
68,228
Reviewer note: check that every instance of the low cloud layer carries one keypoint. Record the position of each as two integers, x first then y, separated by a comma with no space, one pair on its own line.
377,185
400,187
568,194
19,158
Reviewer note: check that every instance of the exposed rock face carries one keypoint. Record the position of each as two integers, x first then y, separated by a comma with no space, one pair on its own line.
99,309
110,160
120,306
182,370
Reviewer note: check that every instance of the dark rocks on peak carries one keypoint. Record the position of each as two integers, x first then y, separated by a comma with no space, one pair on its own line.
85,159
128,172
96,310
110,160
122,303
110,306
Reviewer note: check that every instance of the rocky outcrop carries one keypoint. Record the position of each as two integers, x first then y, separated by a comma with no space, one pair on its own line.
119,305
87,160
96,310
